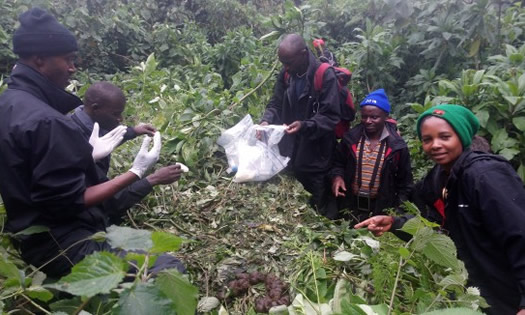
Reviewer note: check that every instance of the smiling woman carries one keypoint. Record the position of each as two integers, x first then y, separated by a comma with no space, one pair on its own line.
477,198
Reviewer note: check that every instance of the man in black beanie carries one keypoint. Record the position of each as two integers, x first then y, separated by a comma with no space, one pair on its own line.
47,171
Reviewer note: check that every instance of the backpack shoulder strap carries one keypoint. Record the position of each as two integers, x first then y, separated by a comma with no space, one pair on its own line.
318,77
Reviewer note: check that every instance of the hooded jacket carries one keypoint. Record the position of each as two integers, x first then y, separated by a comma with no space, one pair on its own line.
310,150
395,184
45,163
483,213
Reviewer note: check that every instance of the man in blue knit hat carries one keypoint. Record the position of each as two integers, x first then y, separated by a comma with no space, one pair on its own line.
371,170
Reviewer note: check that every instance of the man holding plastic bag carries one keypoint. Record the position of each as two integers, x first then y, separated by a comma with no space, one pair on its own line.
310,118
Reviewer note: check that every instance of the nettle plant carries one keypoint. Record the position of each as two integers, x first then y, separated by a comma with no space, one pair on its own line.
359,274
102,282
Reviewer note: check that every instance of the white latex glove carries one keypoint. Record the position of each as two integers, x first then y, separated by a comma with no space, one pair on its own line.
103,146
145,159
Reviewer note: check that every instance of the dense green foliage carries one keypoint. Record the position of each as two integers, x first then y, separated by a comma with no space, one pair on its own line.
194,68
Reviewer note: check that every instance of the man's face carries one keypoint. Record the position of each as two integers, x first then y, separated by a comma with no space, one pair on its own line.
373,118
294,62
58,69
109,113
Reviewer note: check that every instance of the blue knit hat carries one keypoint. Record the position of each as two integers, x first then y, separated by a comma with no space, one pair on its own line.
377,98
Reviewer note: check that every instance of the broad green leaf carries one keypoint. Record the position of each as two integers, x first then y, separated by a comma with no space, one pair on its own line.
183,294
351,309
35,229
139,259
344,256
68,306
499,139
151,65
521,171
381,309
478,76
483,117
39,293
441,250
404,252
165,242
453,280
144,299
509,153
412,226
417,108
129,239
97,273
340,291
11,272
422,238
519,122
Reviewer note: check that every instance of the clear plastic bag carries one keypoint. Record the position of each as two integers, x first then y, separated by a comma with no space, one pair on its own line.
253,159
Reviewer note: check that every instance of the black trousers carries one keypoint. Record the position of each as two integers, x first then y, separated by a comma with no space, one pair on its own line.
322,200
40,249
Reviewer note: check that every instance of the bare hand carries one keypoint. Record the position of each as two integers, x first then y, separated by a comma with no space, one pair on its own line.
378,224
338,186
144,129
521,312
259,133
165,175
294,127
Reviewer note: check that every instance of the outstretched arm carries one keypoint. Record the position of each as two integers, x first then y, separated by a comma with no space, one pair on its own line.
378,224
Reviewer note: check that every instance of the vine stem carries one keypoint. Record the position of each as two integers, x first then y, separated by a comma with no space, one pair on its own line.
61,253
35,304
81,306
398,275
203,117
257,87
315,282
390,306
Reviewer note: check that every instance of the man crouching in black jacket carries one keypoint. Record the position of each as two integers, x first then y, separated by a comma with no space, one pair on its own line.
48,175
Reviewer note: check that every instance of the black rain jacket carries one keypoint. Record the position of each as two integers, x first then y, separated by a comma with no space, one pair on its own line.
310,150
396,183
45,165
484,215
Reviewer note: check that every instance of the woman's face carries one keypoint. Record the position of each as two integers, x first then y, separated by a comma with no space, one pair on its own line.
440,141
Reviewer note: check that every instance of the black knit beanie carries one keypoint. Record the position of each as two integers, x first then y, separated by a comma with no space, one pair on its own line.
41,34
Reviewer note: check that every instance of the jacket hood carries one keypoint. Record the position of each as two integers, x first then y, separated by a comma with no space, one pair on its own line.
27,79
468,158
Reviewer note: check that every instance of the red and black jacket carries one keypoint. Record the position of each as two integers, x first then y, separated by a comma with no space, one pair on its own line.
395,184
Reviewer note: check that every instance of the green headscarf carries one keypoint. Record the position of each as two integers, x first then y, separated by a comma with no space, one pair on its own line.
462,120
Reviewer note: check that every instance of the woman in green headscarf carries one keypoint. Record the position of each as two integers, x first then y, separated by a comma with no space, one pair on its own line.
479,199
